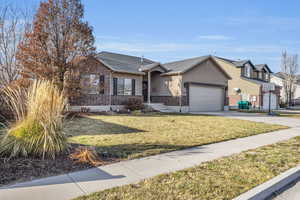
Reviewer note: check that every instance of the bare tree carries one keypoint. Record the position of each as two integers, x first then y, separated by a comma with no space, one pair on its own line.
59,36
289,69
13,22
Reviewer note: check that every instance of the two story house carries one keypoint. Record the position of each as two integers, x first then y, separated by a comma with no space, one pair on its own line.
251,83
279,79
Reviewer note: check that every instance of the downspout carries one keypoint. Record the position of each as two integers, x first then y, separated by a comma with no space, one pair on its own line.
111,88
180,95
149,87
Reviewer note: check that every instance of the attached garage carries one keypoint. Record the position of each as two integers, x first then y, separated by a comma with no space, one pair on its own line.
206,98
201,82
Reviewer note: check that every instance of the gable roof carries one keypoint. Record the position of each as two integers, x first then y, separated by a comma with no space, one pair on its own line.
260,67
123,63
237,63
282,76
149,67
241,63
182,66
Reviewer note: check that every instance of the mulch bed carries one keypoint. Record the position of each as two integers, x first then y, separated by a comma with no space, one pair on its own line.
26,169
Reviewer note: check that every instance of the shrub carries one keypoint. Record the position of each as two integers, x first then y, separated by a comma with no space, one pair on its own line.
133,104
86,155
38,129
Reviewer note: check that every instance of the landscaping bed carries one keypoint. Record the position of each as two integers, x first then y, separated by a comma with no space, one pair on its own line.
220,179
25,169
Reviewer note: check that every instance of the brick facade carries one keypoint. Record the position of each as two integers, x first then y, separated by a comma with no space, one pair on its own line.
89,100
93,66
120,100
234,99
170,100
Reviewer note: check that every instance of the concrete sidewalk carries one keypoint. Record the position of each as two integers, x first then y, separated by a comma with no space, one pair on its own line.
256,117
87,181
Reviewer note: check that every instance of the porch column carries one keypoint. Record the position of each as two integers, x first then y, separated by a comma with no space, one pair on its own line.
149,87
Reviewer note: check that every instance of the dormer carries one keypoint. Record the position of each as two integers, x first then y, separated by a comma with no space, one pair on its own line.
247,68
263,72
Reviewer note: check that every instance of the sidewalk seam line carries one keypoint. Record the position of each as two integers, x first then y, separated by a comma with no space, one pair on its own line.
75,182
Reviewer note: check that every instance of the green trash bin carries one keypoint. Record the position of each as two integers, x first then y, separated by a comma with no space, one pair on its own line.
244,105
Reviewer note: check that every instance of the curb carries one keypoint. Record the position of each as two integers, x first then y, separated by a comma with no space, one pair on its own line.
272,187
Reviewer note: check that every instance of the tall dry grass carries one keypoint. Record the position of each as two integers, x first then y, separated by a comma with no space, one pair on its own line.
38,130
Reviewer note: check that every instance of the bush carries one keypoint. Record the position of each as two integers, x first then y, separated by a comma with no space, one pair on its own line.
38,130
86,155
134,104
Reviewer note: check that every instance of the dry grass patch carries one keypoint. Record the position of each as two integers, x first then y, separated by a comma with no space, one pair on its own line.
291,115
129,137
220,179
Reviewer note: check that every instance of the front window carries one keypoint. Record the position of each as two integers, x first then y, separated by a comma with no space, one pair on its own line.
266,76
92,83
124,86
248,71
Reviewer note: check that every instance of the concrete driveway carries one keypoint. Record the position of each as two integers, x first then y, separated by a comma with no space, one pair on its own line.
257,117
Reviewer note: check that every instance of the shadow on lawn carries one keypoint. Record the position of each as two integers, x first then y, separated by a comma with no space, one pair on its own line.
136,150
91,126
98,174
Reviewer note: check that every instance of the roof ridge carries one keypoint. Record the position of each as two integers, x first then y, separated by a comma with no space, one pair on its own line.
187,59
120,54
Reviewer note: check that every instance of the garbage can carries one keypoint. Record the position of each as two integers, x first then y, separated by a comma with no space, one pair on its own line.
244,105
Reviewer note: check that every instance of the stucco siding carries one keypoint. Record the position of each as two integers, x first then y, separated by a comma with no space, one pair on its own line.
245,86
206,72
159,85
165,85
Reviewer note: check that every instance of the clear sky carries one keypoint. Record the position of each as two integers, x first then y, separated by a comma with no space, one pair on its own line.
167,30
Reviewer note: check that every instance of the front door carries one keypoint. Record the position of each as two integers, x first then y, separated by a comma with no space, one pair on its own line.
145,90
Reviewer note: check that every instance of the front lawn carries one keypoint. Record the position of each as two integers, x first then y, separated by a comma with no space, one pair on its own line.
220,179
118,137
128,137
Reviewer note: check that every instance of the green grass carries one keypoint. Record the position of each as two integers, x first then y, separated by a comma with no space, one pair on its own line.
220,179
128,137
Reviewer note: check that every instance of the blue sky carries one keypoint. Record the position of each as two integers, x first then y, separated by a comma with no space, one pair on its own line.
167,30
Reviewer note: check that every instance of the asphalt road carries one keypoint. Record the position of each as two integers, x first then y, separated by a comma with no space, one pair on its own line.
292,193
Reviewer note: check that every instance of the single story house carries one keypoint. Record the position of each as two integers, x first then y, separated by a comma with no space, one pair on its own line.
251,83
109,79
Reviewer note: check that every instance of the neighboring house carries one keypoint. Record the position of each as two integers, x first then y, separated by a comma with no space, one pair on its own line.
250,82
109,79
277,79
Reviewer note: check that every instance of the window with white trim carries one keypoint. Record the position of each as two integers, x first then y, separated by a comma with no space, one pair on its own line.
266,76
124,86
247,71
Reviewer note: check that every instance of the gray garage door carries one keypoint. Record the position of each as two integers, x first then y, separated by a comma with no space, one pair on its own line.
206,98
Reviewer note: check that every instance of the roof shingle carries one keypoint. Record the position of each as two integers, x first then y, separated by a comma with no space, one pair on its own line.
183,65
123,63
